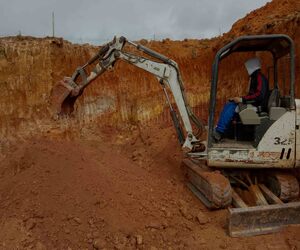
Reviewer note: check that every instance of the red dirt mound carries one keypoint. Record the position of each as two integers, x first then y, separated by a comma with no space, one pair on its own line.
120,191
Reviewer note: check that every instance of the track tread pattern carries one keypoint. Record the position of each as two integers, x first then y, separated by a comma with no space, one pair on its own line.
285,186
214,186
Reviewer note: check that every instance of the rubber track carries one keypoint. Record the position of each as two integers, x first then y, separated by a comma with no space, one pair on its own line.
289,187
213,186
286,187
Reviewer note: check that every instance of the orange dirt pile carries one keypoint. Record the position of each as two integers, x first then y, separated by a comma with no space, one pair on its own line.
120,190
109,176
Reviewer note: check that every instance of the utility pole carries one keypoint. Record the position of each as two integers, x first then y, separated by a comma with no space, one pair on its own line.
53,24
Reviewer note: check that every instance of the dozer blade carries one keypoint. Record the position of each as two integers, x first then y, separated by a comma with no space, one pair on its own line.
266,219
61,100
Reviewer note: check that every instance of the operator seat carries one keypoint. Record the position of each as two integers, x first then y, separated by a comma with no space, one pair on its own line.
250,115
274,109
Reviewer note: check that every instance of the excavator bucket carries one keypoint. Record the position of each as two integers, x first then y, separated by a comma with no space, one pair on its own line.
61,100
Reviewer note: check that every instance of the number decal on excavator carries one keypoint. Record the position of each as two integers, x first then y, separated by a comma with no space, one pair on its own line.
280,141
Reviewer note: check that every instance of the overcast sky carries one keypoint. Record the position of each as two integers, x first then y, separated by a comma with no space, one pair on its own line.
97,21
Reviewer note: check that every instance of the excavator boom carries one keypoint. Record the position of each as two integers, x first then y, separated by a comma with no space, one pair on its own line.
66,92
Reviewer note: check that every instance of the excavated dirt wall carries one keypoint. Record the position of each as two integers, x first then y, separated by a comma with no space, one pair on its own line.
29,67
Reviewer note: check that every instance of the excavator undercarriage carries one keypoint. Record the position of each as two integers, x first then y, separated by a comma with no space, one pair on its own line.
256,204
259,199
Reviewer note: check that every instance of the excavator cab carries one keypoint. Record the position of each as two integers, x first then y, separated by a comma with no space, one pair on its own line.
256,133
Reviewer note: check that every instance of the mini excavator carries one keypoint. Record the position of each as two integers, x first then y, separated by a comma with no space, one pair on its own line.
253,175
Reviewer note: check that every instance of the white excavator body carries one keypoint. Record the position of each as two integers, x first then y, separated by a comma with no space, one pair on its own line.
276,149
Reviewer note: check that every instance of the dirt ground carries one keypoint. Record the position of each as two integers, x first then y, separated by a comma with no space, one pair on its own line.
105,188
111,190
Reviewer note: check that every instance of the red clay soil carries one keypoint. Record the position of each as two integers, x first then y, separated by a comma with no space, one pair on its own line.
113,190
106,188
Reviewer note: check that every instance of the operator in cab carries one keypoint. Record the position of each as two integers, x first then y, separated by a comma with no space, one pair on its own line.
257,96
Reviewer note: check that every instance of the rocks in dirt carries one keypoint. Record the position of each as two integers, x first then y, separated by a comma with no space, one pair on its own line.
136,155
119,240
30,224
292,243
91,221
223,245
93,237
69,217
132,241
101,204
184,212
201,241
95,234
99,244
166,212
77,220
183,209
73,220
40,246
190,214
202,218
89,236
139,239
154,225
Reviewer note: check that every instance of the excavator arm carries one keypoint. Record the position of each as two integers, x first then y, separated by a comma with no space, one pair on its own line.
65,93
